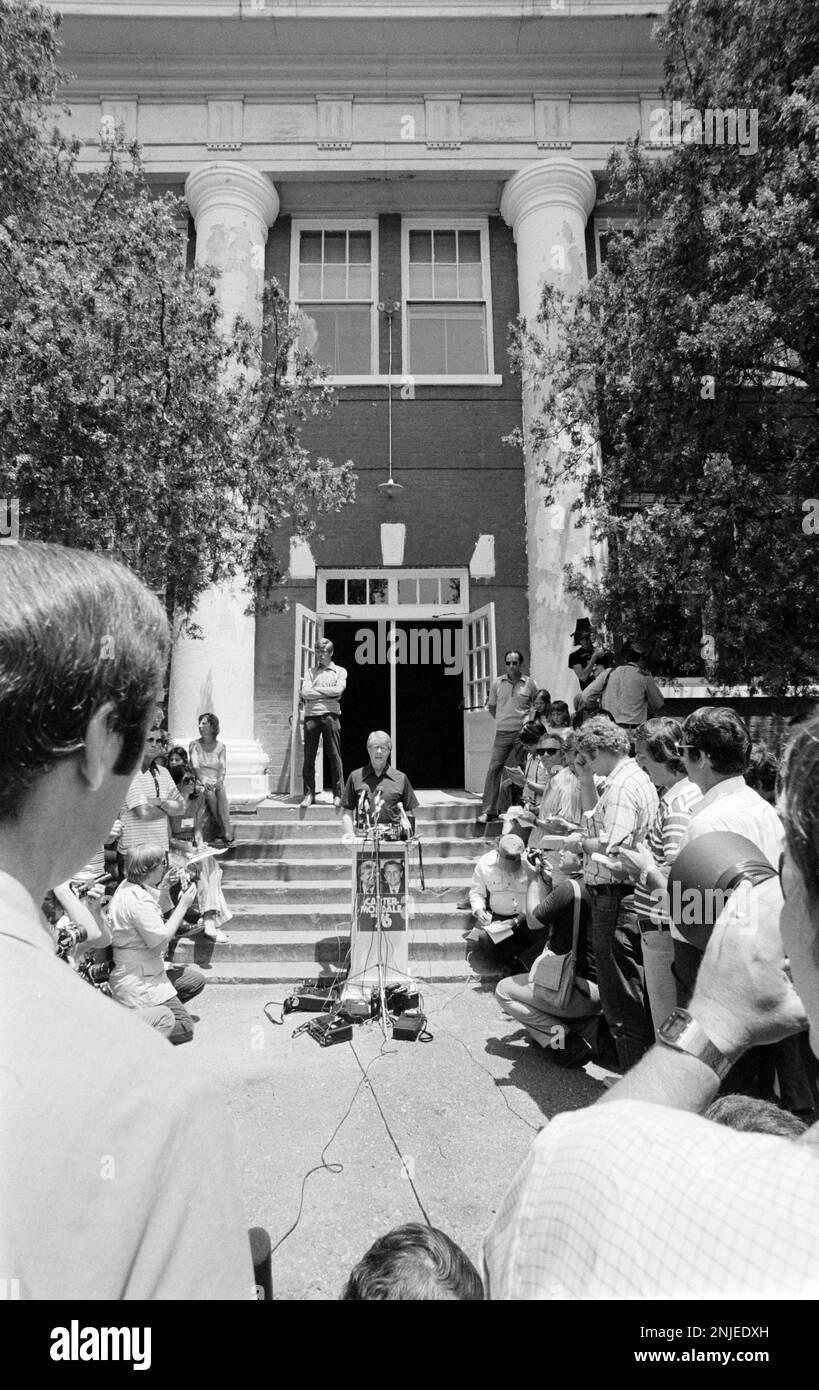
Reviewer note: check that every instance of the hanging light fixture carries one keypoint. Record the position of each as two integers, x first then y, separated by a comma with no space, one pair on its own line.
390,487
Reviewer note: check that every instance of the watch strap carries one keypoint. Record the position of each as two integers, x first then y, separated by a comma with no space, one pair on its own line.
696,1042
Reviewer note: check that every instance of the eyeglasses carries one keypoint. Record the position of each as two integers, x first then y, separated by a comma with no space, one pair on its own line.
512,663
551,750
155,740
692,747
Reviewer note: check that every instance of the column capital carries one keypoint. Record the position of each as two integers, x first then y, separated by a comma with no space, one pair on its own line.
548,183
230,185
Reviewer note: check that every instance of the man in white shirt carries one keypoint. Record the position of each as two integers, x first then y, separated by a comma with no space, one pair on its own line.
497,893
716,750
639,1196
321,691
117,1172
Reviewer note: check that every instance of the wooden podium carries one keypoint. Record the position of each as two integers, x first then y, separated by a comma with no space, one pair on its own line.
379,936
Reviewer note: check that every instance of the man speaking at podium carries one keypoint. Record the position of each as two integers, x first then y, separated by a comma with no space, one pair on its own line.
376,792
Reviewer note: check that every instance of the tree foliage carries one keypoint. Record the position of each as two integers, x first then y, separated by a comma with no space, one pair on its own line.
684,391
131,418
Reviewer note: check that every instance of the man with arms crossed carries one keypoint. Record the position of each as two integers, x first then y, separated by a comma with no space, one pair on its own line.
116,1156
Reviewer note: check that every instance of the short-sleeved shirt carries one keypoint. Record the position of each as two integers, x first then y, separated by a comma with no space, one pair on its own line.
630,696
664,839
88,1092
394,786
631,1200
146,832
624,813
139,938
510,701
556,913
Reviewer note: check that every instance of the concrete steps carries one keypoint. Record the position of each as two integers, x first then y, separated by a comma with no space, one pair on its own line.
287,883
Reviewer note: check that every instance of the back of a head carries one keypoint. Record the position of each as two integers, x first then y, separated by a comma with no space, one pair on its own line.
721,733
414,1263
753,1116
76,631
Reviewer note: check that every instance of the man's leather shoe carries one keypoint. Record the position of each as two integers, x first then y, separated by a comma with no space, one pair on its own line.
336,803
483,819
308,801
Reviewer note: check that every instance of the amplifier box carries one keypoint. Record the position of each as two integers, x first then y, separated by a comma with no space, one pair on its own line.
357,1008
311,1001
328,1031
409,1027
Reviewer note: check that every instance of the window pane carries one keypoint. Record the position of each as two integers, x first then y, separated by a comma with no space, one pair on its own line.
310,250
360,282
450,590
427,351
335,248
446,281
378,590
420,246
310,281
428,590
335,282
334,591
408,591
356,591
469,247
470,282
359,248
338,336
420,282
465,339
445,248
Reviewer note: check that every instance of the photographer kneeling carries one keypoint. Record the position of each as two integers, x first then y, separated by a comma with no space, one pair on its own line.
140,979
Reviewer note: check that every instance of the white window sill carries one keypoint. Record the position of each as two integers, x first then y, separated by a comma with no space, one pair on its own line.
408,379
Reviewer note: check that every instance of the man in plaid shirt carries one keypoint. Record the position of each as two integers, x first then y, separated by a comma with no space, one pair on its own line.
619,813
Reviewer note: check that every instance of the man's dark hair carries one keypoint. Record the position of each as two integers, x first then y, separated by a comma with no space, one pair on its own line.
76,631
514,651
800,812
661,738
414,1263
718,731
755,1116
763,772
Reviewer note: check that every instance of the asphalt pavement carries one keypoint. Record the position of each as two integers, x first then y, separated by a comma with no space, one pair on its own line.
407,1130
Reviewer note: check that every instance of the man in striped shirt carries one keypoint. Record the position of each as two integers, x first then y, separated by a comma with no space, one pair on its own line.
151,800
621,814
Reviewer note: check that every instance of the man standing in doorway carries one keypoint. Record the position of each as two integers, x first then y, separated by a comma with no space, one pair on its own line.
510,700
321,691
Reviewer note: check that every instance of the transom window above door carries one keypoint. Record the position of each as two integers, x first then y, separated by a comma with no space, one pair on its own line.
333,274
392,593
448,311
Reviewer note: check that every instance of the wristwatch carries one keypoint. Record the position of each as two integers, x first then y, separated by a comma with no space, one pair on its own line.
684,1034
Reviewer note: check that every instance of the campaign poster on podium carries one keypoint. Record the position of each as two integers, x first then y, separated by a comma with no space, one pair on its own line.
379,891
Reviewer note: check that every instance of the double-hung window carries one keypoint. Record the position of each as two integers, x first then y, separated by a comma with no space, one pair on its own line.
333,274
448,310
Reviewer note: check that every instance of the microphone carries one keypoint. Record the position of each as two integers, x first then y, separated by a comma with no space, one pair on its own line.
379,803
363,811
405,821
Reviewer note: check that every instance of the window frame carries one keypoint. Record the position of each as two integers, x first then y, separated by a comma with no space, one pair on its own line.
339,224
448,224
392,608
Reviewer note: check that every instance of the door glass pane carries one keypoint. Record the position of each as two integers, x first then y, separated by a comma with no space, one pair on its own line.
334,591
450,590
408,591
356,591
378,590
428,590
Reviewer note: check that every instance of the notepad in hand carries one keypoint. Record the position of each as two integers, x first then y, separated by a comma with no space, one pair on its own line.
501,929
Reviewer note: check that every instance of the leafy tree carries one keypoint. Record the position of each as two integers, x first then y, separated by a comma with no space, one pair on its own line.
681,384
131,419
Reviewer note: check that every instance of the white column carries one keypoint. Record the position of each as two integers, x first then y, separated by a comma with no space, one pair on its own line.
233,205
547,205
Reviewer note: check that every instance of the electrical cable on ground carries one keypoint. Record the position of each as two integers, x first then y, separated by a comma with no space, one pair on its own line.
393,1139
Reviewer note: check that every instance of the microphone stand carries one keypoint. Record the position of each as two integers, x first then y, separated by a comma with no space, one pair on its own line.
378,930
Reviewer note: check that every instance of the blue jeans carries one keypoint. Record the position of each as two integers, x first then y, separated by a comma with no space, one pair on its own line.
618,956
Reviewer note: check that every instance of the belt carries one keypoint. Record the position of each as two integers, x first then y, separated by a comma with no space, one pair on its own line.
611,888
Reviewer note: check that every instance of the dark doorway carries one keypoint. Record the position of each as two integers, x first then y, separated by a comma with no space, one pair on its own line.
366,702
429,714
429,717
